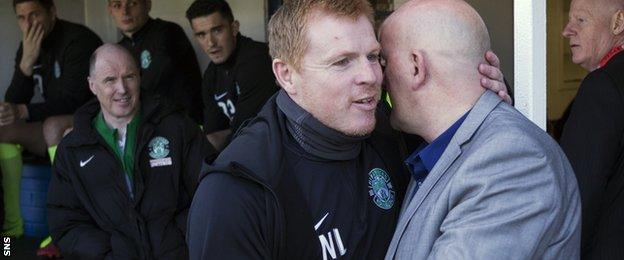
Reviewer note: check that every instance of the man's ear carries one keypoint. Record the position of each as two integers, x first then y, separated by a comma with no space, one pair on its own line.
617,22
284,74
148,4
92,85
235,27
419,69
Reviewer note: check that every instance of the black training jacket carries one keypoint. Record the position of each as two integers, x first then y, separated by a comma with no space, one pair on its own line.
92,214
60,72
237,89
168,64
249,205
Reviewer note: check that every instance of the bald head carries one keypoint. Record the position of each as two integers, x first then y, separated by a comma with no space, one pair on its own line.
449,29
110,51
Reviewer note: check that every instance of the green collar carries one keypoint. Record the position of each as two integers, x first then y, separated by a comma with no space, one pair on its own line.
126,157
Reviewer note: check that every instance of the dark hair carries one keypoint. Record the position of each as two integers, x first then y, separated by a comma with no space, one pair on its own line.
201,8
46,4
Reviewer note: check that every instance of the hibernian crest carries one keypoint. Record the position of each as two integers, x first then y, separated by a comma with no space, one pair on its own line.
57,70
380,188
159,147
146,59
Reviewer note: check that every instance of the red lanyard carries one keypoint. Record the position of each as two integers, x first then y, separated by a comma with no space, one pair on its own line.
610,55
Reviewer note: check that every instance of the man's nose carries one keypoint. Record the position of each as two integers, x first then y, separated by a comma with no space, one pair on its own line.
567,31
367,73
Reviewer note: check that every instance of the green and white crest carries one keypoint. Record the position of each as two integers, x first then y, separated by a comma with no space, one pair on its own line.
158,147
380,188
146,59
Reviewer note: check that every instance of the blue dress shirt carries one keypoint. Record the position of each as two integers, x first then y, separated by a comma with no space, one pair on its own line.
422,160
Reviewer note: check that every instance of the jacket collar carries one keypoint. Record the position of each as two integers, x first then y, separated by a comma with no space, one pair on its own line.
152,111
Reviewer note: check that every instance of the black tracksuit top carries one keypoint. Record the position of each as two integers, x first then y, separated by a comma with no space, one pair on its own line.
60,72
91,214
266,198
237,89
168,64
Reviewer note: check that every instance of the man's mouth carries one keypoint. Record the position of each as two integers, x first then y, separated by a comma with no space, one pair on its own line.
367,103
122,100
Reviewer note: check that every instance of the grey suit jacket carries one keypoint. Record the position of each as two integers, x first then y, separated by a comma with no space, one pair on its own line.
502,189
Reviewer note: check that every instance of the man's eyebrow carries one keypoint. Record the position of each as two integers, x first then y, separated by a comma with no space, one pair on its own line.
216,27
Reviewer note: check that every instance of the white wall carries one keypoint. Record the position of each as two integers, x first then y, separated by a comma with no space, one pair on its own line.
10,35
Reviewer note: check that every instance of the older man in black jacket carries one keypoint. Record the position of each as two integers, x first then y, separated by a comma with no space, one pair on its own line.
124,178
593,136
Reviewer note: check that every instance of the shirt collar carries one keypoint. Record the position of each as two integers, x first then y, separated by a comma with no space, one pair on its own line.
424,158
610,55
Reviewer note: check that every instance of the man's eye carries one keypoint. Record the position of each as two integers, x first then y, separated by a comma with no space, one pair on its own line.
342,62
116,5
374,57
109,81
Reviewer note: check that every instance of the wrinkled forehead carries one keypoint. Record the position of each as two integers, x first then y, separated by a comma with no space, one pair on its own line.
323,25
115,64
596,6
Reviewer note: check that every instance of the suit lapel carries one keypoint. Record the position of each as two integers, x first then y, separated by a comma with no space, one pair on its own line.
486,103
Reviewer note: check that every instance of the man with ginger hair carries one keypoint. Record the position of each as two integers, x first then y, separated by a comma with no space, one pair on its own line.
593,135
318,173
476,192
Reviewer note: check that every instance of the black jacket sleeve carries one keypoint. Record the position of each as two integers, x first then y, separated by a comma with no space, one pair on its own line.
230,219
591,139
257,82
72,89
22,87
71,226
197,149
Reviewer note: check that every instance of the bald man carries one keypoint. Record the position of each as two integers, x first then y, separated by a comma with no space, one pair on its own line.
124,177
476,192
593,136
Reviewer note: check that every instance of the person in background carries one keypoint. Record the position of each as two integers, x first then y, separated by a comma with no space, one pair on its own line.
593,135
52,60
166,58
238,80
124,178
